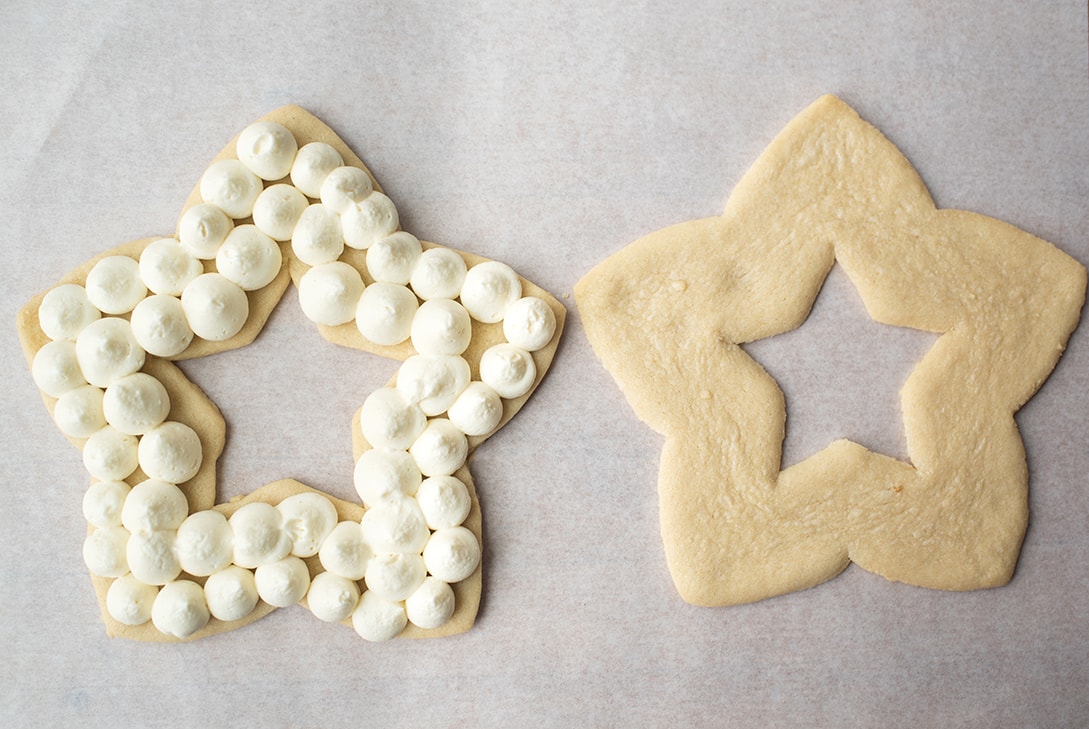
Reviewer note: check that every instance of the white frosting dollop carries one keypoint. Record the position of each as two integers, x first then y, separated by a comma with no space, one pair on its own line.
388,420
179,609
378,620
267,149
103,501
107,351
431,605
136,403
55,368
441,326
329,293
312,165
369,221
129,601
166,267
104,551
283,583
394,577
277,210
438,274
114,285
204,543
444,501
332,598
154,505
160,326
344,552
203,228
489,288
452,554
230,186
259,535
394,257
317,237
249,258
215,307
344,188
381,475
110,455
386,313
151,557
508,369
395,526
440,449
78,412
231,593
64,312
308,519
477,410
170,452
433,381
529,323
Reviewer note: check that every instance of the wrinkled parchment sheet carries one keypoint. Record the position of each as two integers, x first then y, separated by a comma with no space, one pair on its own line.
545,135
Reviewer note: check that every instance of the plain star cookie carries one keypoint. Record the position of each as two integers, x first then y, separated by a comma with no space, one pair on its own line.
666,316
286,201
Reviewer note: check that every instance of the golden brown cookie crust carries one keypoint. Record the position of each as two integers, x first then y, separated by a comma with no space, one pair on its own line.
666,316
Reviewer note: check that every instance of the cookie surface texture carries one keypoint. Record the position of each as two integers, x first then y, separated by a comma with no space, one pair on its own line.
666,316
285,201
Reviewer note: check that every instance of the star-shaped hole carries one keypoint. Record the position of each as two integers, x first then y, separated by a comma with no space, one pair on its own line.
841,374
274,431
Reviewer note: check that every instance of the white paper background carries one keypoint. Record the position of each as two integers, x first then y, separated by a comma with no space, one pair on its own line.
545,135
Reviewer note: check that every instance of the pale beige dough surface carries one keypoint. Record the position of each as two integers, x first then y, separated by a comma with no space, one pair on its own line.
666,315
190,406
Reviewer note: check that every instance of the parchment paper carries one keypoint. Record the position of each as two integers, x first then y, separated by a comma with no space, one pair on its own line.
545,135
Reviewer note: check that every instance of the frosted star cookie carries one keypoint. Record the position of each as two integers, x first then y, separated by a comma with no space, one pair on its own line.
285,201
666,316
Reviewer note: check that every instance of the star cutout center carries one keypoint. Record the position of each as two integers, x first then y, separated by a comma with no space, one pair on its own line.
841,374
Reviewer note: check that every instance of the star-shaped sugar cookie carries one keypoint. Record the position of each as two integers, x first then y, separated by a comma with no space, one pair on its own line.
666,316
286,201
